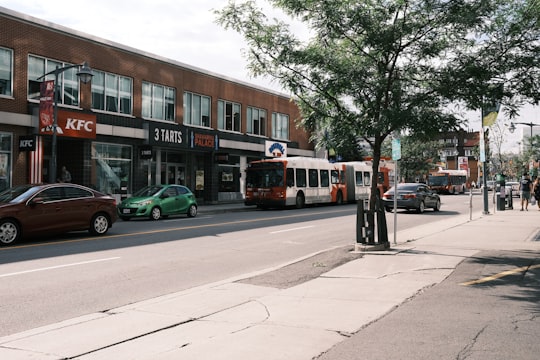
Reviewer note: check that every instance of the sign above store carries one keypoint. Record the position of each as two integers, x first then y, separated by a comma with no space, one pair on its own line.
27,143
166,135
73,124
275,149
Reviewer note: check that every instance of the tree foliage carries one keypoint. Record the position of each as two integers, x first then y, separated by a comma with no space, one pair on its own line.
418,157
377,67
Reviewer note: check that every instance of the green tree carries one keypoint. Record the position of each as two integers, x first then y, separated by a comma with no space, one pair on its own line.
418,157
377,67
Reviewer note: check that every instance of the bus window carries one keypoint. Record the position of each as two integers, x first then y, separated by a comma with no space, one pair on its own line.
342,177
301,177
359,179
290,177
313,178
325,179
367,179
335,176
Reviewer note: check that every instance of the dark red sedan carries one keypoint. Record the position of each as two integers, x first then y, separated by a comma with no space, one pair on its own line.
32,210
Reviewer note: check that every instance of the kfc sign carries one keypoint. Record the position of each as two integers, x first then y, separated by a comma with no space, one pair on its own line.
73,124
27,143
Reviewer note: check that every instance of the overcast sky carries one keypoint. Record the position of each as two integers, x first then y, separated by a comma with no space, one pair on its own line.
180,30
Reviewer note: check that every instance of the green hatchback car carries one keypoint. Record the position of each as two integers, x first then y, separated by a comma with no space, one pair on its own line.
158,201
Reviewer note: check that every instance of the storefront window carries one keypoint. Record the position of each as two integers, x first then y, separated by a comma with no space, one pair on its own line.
111,167
229,175
5,160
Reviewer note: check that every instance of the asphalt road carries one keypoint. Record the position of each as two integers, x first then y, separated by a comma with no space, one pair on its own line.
49,280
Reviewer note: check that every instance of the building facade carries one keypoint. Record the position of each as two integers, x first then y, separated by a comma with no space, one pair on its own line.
142,120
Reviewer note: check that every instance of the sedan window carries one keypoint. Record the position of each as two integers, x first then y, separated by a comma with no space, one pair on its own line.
51,194
170,191
76,193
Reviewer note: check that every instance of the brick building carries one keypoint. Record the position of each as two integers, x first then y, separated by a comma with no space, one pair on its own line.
142,120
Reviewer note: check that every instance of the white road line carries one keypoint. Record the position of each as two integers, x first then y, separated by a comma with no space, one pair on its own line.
293,229
58,267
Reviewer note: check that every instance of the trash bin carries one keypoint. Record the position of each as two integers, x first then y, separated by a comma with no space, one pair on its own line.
509,200
501,192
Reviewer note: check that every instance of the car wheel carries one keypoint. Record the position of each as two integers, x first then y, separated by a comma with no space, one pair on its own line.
300,201
437,206
421,208
10,232
100,224
192,211
155,214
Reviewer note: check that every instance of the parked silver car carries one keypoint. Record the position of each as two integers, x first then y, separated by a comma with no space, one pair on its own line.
412,196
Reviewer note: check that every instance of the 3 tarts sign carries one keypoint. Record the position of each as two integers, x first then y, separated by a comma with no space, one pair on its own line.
72,124
179,136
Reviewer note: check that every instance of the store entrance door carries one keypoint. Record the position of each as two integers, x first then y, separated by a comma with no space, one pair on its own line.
176,174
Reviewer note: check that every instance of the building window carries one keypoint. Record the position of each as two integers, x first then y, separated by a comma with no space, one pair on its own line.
112,167
196,109
229,116
158,102
6,72
280,126
6,140
112,93
68,83
256,121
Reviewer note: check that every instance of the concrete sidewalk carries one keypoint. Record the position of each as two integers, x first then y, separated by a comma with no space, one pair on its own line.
233,320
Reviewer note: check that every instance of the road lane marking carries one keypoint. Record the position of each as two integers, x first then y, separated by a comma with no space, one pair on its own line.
157,231
58,267
500,275
293,229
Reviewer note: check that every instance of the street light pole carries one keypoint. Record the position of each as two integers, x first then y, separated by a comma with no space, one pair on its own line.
512,128
85,75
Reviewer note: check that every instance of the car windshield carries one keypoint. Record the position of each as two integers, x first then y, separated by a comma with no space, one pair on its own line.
17,193
405,187
148,191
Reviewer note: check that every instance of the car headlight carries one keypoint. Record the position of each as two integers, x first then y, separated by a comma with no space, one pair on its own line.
143,203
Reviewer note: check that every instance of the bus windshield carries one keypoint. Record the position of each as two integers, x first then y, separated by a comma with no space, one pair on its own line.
269,175
438,180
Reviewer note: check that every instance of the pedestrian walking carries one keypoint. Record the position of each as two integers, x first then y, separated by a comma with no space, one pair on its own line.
536,191
65,176
525,187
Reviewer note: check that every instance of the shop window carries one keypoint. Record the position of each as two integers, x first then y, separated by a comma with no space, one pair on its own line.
112,93
280,126
158,102
256,121
6,72
68,83
5,160
196,109
229,116
111,167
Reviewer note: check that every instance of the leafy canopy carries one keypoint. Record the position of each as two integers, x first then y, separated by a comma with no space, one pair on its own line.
372,68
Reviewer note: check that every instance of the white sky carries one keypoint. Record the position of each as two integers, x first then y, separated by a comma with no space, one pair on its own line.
180,30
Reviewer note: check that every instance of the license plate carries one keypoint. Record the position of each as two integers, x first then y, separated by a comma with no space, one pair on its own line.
125,211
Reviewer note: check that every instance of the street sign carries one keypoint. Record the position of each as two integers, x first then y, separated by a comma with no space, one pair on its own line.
396,149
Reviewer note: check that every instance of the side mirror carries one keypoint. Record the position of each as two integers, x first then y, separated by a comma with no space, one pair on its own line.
36,201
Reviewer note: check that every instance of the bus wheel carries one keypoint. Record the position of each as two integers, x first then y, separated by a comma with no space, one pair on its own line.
300,201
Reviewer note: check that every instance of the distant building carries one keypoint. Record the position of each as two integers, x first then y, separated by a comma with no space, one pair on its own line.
460,150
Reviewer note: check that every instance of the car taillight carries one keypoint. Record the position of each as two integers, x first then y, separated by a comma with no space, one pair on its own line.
409,196
387,196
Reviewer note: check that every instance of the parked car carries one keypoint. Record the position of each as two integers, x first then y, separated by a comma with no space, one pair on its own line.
514,186
157,201
30,210
412,196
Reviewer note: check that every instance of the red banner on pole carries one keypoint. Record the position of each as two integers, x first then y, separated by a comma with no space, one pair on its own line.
46,105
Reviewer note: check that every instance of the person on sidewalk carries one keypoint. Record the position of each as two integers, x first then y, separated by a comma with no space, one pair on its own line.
525,187
536,191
